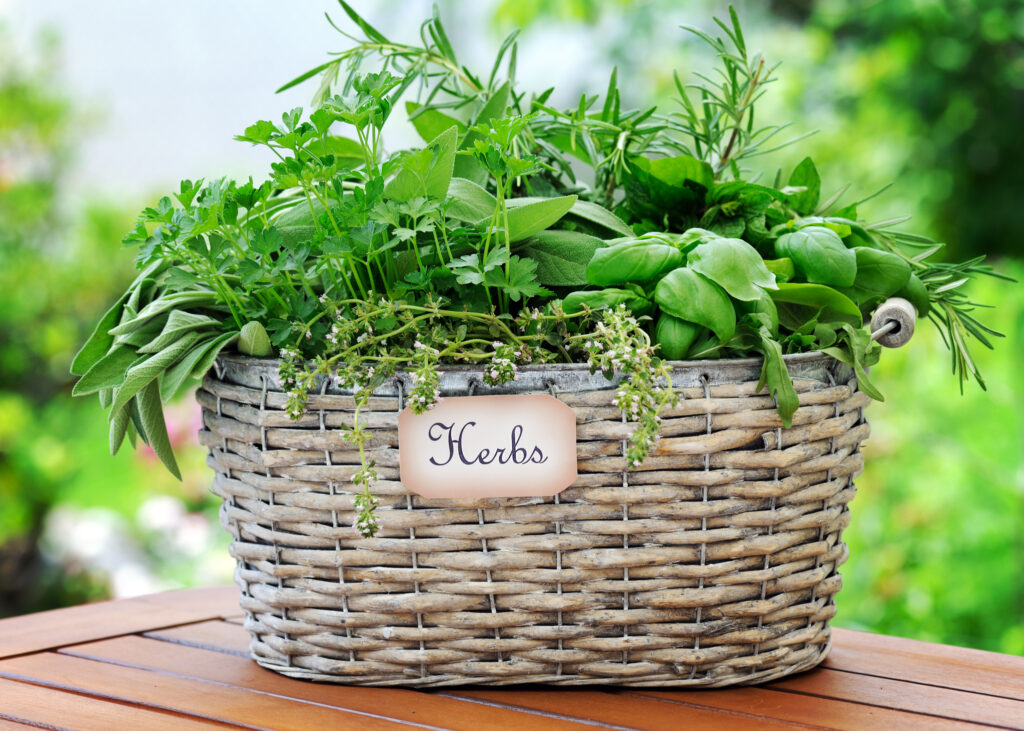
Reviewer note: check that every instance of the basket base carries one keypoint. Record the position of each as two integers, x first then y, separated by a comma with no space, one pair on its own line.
795,661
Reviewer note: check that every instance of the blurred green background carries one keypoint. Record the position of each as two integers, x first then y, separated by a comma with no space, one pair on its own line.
928,96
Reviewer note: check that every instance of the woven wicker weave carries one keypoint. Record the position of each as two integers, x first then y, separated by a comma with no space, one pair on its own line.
713,564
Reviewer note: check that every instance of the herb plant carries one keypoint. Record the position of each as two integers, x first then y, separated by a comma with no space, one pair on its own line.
519,233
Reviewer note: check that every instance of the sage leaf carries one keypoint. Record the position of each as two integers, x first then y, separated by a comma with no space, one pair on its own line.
470,202
107,372
152,416
163,304
426,172
141,374
429,123
734,265
253,340
601,216
118,426
100,341
561,256
820,255
691,296
178,323
632,262
527,219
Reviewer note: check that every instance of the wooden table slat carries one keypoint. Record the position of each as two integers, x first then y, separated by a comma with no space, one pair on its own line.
924,662
905,696
813,711
59,627
197,698
241,673
180,660
214,635
55,708
623,710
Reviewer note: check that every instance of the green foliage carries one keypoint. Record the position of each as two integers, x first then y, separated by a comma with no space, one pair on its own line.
935,549
358,264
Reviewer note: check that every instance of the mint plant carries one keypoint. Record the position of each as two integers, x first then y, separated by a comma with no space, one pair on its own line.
519,233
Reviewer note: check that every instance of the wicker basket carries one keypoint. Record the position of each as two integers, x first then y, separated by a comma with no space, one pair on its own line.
713,564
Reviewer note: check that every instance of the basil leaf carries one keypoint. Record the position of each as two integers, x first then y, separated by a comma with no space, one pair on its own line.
917,294
879,274
675,336
782,268
602,299
834,305
690,296
805,175
734,265
820,255
632,262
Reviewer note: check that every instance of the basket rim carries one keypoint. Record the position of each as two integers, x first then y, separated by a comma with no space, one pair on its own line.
789,358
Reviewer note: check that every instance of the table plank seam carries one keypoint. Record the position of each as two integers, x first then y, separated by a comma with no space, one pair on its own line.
535,712
70,651
115,635
1001,696
725,711
33,724
122,701
186,643
890,708
197,679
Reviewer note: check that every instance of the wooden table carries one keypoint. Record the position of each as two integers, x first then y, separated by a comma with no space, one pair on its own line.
180,661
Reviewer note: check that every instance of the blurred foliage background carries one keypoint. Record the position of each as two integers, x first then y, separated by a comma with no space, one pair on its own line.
923,94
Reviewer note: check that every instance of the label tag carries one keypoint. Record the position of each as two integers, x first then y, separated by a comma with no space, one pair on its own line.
488,446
